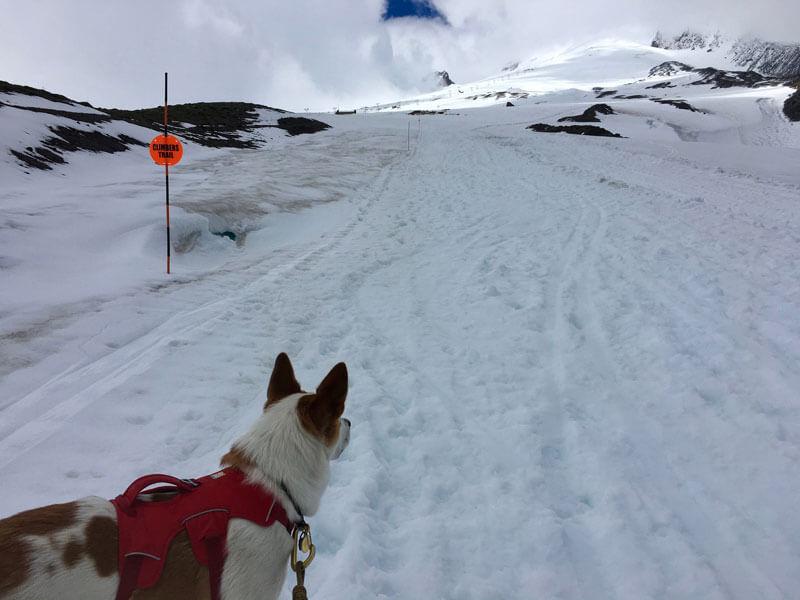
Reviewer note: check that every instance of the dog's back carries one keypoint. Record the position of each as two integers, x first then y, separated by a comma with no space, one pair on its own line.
60,551
67,551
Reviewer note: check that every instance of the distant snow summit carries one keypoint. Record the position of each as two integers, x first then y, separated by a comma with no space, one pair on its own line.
767,58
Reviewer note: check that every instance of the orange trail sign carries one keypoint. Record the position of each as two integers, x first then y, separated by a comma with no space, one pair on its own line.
166,150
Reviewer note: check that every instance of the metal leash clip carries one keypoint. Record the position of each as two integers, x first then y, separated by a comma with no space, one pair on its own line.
302,542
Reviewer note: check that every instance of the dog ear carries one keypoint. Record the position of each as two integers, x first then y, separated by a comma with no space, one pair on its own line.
318,412
282,383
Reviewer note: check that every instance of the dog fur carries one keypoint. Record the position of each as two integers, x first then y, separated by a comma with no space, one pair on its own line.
67,551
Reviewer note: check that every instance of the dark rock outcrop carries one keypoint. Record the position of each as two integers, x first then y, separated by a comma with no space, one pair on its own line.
682,104
444,78
727,79
69,139
573,129
791,108
590,114
300,125
670,68
662,85
215,124
711,76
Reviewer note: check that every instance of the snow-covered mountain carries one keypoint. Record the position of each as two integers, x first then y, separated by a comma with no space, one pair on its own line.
769,58
688,40
636,77
751,54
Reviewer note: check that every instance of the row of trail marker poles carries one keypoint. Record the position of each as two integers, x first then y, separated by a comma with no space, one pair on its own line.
166,150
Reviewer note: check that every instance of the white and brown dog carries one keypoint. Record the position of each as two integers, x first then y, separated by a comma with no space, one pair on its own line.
70,551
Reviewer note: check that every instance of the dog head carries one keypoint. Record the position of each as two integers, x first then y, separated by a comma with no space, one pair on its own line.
320,413
291,445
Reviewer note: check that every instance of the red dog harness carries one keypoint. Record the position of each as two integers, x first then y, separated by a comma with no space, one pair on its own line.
147,524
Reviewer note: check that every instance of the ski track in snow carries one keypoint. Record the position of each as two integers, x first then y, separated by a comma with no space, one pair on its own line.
574,367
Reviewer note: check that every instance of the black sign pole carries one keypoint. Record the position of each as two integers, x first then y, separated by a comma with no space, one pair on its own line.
166,168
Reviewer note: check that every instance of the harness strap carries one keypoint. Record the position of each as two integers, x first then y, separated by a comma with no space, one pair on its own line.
211,527
126,501
216,559
129,576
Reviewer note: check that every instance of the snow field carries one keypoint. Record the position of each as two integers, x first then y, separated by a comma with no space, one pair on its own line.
573,362
576,394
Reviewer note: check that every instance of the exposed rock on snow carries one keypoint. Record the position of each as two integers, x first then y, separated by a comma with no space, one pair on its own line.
498,95
791,108
444,79
300,125
573,129
711,76
605,94
662,85
726,79
670,68
590,114
215,124
69,139
682,104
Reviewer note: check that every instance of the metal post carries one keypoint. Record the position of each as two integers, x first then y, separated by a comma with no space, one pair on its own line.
166,170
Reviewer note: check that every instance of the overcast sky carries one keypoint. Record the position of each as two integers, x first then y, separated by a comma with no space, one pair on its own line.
321,54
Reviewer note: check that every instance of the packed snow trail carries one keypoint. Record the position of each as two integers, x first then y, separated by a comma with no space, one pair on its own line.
573,368
568,381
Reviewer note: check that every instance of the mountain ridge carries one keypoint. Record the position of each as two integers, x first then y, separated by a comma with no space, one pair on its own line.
773,59
617,67
66,125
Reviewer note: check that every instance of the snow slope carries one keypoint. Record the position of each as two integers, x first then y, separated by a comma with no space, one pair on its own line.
610,64
574,361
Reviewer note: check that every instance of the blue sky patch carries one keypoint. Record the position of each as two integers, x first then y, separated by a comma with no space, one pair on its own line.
423,9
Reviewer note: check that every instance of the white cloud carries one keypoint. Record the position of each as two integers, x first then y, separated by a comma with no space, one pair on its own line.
319,53
201,13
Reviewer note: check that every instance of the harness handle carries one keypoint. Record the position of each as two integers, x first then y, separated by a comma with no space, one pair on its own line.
126,500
